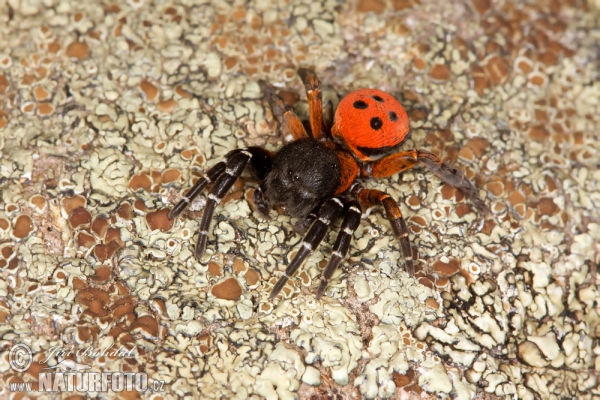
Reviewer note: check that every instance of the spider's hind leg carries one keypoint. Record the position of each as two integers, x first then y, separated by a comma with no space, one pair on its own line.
328,212
372,197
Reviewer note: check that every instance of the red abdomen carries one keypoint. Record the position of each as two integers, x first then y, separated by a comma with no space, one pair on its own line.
371,122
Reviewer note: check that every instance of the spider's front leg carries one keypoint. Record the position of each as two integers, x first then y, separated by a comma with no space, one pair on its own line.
315,102
223,174
288,120
328,212
372,197
407,159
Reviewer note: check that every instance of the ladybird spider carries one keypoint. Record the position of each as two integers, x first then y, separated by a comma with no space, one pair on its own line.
314,176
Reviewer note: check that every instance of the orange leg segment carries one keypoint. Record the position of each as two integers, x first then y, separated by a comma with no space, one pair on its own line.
372,197
407,159
288,120
315,102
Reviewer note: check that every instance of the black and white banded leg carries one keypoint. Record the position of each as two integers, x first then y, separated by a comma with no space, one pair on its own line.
223,174
342,244
330,210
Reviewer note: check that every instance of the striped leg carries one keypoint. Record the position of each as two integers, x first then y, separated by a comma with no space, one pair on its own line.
288,120
372,197
315,102
342,244
261,163
198,187
328,211
305,222
235,167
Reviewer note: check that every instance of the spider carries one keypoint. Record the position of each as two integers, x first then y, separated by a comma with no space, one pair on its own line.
315,177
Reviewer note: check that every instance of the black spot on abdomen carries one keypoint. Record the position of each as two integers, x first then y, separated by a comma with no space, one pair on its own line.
361,105
376,123
393,116
377,99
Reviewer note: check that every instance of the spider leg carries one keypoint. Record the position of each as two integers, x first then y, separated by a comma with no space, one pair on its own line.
223,174
288,120
328,211
342,244
315,102
407,159
235,167
195,190
372,197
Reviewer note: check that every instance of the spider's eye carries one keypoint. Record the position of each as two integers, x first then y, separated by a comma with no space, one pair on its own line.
293,177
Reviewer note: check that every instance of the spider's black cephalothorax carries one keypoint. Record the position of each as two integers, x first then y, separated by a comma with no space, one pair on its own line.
304,173
314,177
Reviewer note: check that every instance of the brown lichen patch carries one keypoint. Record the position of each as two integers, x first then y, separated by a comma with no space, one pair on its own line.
4,224
538,79
462,210
214,269
85,240
140,181
100,226
101,274
171,175
516,197
251,277
38,201
229,289
478,145
40,93
167,106
140,206
238,265
80,216
230,63
113,234
419,64
71,203
413,201
6,251
150,91
95,300
182,92
122,307
432,303
495,187
440,72
104,252
447,269
45,109
159,220
481,6
78,50
539,133
375,6
547,206
125,211
22,226
496,70
147,326
4,84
